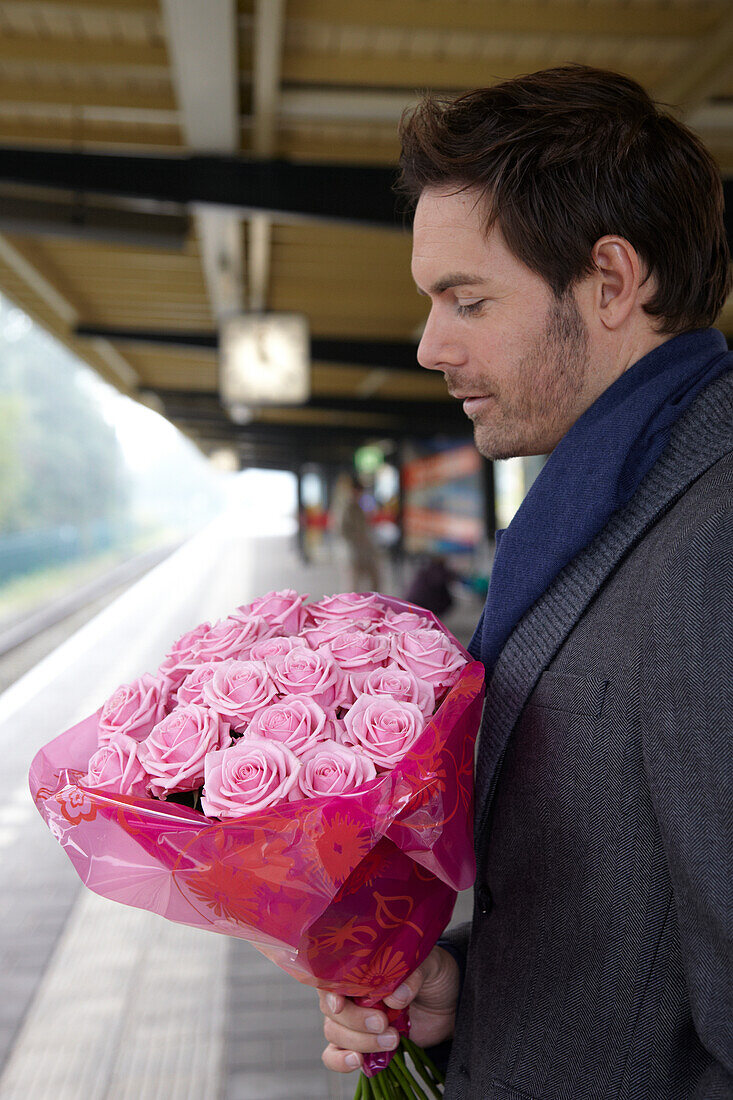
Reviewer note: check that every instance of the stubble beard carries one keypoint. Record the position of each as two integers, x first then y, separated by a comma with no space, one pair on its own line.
542,405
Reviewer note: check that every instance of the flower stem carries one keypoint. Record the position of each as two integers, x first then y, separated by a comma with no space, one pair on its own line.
397,1082
424,1065
388,1085
377,1083
407,1081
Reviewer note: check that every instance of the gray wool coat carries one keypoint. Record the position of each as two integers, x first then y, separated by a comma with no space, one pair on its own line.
599,959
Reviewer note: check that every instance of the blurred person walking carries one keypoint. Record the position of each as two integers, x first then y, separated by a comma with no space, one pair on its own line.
352,526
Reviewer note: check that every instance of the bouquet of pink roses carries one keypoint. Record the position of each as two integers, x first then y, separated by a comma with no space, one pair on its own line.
299,775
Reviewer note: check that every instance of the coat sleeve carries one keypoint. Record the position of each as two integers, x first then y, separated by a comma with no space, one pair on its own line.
455,941
688,730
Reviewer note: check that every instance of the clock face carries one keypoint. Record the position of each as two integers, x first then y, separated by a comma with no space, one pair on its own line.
265,360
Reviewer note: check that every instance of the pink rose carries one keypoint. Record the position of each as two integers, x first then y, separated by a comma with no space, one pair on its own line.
309,672
397,683
283,610
115,768
274,647
296,721
317,635
173,754
238,689
176,665
430,655
347,606
383,728
331,768
192,688
248,777
404,621
354,651
133,709
229,638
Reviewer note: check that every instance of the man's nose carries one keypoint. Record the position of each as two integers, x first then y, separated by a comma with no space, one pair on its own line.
437,349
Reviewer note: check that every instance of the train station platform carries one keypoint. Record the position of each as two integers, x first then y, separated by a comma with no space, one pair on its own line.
99,1001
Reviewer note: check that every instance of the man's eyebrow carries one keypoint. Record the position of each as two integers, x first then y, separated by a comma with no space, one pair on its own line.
456,278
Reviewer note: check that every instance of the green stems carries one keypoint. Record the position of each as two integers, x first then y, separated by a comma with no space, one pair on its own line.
397,1082
425,1066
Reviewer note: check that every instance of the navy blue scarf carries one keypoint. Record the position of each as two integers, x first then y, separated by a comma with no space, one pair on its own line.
595,469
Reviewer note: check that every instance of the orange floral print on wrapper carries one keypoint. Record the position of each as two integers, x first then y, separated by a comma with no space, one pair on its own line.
74,805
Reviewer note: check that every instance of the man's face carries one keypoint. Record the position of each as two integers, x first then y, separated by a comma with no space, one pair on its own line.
513,353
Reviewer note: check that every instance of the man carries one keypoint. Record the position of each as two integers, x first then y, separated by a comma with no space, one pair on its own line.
353,527
570,239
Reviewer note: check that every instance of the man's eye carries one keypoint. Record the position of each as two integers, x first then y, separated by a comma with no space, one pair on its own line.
468,308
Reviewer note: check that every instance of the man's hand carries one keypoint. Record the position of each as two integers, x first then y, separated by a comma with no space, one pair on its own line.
431,991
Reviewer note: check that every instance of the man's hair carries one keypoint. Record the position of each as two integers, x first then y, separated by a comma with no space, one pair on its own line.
565,156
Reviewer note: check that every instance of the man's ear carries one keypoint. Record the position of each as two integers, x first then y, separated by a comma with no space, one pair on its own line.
617,280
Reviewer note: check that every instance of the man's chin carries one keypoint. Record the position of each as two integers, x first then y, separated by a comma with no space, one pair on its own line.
498,446
492,447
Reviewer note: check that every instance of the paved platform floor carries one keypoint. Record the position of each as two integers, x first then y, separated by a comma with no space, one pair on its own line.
99,1001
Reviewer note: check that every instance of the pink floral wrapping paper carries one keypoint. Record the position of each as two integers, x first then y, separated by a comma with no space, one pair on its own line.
348,892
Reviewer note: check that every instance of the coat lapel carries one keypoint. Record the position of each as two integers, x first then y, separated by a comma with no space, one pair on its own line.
699,440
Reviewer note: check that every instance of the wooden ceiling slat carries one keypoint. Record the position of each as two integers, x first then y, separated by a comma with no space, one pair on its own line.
91,252
401,385
170,282
148,7
92,94
199,372
348,285
98,295
329,235
89,255
83,52
60,132
658,18
144,305
354,149
150,316
440,73
56,306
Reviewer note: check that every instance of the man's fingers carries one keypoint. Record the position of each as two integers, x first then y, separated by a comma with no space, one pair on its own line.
334,1002
341,1061
350,1015
404,994
365,1042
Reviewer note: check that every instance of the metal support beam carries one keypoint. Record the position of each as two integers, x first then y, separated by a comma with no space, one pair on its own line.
419,418
292,436
222,258
304,438
382,354
269,29
207,404
202,41
90,221
331,192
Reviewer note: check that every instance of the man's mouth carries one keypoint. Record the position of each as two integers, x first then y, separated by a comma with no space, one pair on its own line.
474,403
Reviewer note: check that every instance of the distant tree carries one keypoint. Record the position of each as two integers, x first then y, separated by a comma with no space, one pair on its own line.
13,477
72,465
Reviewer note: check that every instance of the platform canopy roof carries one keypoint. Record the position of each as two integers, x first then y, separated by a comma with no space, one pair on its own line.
165,162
